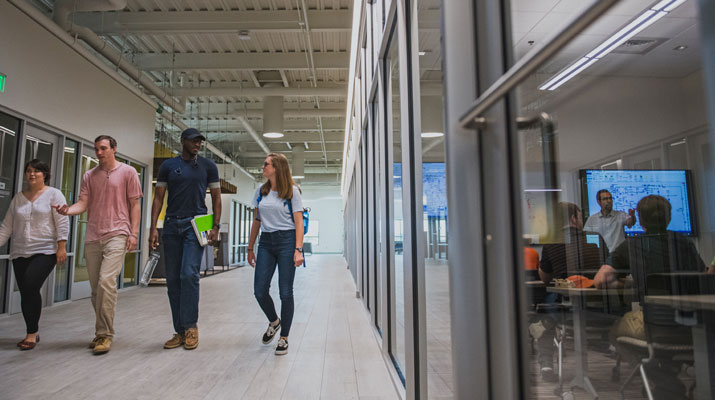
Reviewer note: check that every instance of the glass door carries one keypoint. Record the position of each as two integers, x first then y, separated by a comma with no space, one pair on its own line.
80,279
69,188
40,145
9,133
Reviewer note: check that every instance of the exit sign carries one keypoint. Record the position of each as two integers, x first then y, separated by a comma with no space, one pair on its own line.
3,78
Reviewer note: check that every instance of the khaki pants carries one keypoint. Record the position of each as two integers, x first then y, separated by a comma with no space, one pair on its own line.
104,263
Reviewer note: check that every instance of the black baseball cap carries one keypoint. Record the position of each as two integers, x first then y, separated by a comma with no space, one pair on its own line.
191,134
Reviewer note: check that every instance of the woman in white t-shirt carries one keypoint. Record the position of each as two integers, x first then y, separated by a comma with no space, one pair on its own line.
39,235
279,213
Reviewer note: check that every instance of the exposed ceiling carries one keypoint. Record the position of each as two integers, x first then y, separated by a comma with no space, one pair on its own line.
222,57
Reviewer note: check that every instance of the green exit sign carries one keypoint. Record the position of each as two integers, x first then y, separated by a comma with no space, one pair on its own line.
3,78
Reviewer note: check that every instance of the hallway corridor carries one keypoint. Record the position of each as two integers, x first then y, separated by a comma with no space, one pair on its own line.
333,351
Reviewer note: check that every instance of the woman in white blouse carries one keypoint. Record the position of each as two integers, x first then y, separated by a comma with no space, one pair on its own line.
39,235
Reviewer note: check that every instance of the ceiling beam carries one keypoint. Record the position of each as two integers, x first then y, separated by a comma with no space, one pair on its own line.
238,61
233,91
188,22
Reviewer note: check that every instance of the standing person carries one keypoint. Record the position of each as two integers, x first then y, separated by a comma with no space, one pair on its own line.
608,222
39,237
186,177
281,243
110,194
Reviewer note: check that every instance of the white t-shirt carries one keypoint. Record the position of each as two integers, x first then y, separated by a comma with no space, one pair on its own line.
35,227
273,211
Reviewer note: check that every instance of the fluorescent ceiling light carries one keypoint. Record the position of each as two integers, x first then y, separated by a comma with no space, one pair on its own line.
542,190
422,53
432,134
642,21
273,135
298,177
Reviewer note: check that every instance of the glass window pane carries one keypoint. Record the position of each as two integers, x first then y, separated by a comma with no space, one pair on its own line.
398,288
616,177
434,202
80,268
68,186
131,261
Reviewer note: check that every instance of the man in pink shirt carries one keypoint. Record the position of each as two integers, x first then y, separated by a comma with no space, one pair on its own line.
110,194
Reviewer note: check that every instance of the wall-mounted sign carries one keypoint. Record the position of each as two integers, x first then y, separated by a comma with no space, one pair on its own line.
3,78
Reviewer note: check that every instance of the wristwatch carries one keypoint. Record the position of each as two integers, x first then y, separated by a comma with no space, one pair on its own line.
217,226
299,249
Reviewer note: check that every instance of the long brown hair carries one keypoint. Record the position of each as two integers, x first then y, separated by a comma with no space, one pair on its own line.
284,180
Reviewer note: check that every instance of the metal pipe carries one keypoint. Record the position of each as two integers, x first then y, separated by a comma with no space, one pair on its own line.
61,17
254,135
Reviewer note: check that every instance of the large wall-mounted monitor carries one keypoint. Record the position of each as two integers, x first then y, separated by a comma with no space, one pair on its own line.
629,186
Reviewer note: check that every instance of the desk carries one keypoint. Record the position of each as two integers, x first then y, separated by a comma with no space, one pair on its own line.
703,336
577,296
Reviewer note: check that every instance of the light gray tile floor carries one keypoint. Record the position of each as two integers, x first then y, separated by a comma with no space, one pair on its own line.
333,351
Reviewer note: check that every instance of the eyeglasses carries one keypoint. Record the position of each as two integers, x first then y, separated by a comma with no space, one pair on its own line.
265,164
606,198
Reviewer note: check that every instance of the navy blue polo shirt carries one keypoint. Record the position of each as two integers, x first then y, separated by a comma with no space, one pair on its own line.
186,182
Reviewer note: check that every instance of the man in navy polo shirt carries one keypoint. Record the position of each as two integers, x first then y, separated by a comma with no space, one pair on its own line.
186,177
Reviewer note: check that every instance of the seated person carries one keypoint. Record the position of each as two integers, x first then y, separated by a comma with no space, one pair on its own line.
569,255
645,257
531,263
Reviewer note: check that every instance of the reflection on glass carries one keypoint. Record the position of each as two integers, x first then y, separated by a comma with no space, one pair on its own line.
392,63
80,268
605,182
68,186
434,203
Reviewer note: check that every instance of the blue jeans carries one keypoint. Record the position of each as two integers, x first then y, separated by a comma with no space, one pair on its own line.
182,261
276,248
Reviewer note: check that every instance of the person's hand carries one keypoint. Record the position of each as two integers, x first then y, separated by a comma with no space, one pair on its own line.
251,258
213,236
298,258
131,242
62,209
61,255
154,238
605,277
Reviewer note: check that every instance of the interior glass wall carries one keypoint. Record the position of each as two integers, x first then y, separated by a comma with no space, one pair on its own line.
68,186
9,133
434,204
80,269
394,173
615,162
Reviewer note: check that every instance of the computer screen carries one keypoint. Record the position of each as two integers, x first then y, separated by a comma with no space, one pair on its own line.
629,186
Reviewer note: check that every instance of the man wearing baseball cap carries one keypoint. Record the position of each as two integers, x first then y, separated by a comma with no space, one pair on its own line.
186,178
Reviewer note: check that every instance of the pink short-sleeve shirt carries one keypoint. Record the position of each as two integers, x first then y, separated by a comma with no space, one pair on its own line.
108,195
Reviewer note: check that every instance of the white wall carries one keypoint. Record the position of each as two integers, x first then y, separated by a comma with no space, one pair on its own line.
49,82
327,207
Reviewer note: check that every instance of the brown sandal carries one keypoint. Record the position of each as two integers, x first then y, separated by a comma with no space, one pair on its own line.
25,345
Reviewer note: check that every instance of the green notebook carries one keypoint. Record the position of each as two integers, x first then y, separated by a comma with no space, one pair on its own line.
202,224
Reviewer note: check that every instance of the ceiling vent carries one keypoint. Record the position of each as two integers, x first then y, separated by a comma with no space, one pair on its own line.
638,46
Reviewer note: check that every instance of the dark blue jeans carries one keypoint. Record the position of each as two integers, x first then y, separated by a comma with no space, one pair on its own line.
276,248
182,261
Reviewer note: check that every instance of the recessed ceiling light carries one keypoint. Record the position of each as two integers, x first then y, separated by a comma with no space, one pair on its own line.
244,34
432,134
680,48
273,135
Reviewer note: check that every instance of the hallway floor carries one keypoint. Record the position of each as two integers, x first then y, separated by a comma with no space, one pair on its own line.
333,352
